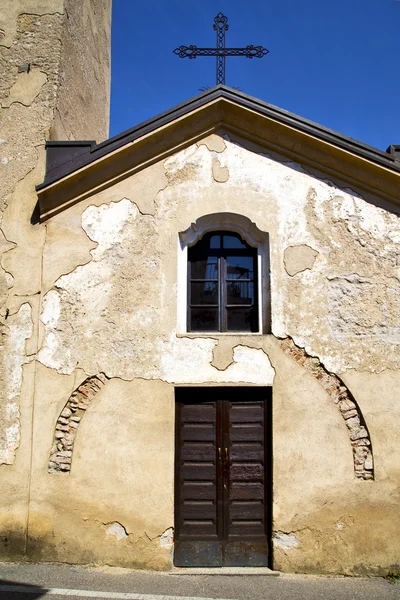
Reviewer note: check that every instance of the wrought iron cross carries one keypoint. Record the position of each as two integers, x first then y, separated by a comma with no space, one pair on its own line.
221,26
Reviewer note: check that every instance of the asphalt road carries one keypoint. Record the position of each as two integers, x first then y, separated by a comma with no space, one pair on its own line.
58,582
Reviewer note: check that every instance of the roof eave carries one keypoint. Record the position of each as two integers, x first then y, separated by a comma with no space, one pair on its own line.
308,143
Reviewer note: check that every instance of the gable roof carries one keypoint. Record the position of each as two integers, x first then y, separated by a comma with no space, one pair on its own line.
77,169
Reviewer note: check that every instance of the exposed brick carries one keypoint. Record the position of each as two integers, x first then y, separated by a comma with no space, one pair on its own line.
341,396
68,422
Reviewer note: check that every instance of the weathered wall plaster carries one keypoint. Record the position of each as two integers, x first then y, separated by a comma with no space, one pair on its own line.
25,89
299,258
41,45
68,423
100,289
220,174
110,284
11,9
115,311
83,103
349,410
116,529
297,310
286,541
122,472
14,335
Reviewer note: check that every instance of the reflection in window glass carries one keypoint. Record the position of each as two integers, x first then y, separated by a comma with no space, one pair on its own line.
242,319
205,268
222,286
240,267
233,241
204,319
240,292
215,242
205,292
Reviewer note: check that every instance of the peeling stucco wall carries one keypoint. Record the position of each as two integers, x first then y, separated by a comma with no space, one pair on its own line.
17,330
89,323
110,286
356,273
42,53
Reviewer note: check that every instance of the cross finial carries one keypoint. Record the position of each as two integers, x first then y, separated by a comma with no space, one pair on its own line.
221,52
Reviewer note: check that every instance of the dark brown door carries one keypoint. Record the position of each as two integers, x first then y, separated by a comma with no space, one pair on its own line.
222,483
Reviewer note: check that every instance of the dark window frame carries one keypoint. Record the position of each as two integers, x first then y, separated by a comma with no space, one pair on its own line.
201,250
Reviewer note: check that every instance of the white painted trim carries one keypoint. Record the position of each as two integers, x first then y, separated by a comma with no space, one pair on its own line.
42,592
251,234
182,287
260,290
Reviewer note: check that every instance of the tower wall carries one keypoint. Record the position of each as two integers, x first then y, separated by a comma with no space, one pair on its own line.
54,84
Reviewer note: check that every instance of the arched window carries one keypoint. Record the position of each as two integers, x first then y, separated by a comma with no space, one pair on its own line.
222,284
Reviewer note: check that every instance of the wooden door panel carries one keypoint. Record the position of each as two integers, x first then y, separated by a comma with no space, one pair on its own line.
196,515
246,491
247,453
204,412
220,515
250,472
191,510
204,432
241,528
241,413
199,490
199,452
198,471
247,433
246,511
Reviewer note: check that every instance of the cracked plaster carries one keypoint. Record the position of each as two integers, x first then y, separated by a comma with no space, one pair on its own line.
11,9
26,88
117,530
299,258
117,313
316,217
286,541
214,143
220,173
92,299
16,330
349,234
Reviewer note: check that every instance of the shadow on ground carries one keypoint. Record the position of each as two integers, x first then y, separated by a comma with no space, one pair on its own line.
15,590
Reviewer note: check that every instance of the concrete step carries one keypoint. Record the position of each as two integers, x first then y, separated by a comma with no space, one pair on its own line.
246,571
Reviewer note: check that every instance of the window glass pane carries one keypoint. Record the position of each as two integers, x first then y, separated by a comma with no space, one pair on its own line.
205,269
215,242
242,319
205,292
240,292
233,241
204,319
240,267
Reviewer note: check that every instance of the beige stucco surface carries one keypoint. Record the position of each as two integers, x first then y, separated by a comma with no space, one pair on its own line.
111,281
134,421
42,53
97,294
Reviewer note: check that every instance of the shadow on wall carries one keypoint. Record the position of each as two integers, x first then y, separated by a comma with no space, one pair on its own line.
15,590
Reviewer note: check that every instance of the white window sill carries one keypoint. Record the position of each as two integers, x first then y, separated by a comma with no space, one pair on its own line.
218,334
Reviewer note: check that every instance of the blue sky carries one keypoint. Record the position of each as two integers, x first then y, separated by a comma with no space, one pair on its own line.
336,63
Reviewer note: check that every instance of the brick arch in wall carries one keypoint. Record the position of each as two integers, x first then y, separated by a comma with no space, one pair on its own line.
73,411
69,420
350,411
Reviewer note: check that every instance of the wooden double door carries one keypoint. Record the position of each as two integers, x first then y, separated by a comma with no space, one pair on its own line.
223,476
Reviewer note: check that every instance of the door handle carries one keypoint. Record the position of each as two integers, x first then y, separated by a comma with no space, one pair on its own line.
227,454
219,454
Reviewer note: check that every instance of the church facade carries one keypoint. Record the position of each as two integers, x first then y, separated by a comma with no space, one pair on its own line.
201,344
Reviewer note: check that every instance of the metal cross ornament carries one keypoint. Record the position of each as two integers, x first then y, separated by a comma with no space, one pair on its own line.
221,26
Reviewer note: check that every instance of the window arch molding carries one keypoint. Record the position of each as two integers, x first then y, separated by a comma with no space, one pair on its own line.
251,234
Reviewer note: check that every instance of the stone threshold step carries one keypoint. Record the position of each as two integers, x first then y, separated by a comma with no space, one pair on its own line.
244,571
